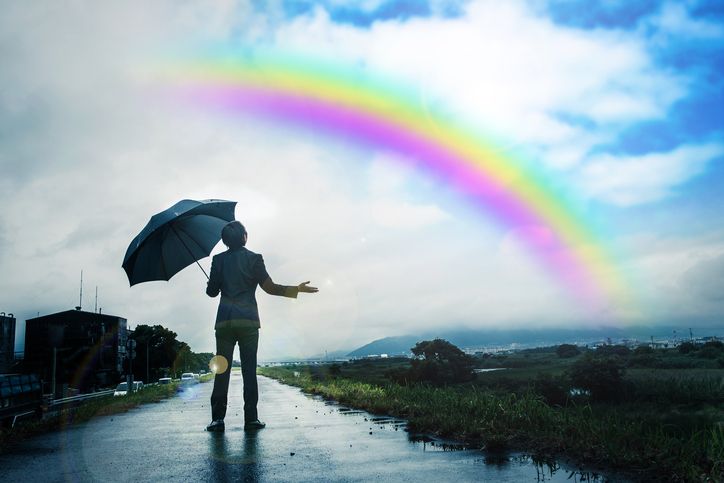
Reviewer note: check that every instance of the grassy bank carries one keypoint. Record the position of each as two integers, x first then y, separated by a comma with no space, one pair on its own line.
104,406
635,437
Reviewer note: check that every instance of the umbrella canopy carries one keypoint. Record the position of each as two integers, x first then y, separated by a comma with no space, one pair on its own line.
176,238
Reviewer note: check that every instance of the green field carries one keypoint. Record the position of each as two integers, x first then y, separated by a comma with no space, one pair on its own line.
665,422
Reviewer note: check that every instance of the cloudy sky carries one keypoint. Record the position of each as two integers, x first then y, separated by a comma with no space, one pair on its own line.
621,103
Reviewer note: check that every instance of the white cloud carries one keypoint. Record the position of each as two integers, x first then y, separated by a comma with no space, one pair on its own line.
678,277
506,69
91,156
393,214
632,180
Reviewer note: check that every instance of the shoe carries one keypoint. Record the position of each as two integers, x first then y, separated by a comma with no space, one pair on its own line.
256,424
216,426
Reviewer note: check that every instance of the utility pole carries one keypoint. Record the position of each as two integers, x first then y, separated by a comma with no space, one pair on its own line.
55,356
80,301
131,352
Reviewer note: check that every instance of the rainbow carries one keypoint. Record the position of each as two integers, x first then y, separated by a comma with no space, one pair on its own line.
343,103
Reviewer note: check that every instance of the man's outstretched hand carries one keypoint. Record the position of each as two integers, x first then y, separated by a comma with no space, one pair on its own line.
305,288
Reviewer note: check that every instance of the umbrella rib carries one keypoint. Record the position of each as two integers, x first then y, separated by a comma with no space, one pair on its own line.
187,248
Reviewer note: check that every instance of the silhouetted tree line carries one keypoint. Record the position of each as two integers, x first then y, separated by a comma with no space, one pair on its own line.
167,356
598,375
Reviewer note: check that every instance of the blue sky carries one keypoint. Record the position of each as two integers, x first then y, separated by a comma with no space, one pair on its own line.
619,102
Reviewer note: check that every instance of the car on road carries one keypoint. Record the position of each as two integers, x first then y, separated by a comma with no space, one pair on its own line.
122,388
164,380
188,378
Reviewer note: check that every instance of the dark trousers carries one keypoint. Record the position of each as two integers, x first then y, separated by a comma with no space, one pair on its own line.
226,339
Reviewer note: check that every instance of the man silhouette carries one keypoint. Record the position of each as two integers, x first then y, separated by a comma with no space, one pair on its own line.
235,274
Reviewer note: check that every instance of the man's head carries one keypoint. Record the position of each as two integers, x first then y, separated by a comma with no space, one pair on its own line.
234,235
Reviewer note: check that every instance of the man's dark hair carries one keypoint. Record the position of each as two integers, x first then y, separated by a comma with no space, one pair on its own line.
233,235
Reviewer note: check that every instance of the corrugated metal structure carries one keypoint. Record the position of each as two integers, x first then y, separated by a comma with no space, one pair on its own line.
7,342
76,349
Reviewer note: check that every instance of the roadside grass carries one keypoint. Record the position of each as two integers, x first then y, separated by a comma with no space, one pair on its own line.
635,437
99,407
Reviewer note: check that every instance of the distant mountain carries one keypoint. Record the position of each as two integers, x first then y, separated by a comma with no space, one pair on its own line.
388,345
491,338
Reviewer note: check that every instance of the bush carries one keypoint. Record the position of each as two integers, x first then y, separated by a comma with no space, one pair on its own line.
613,350
398,375
555,390
643,349
602,376
686,347
644,360
711,350
317,373
566,351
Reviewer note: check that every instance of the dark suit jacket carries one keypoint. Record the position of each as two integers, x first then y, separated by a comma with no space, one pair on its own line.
236,274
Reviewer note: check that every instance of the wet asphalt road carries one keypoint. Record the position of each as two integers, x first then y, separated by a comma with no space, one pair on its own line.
306,439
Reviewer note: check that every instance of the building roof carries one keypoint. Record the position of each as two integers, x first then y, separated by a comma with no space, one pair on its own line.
75,314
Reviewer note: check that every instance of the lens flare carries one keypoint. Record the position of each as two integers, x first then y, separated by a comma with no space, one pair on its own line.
218,364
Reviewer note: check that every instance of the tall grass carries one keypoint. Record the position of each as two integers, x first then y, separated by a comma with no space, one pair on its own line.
624,437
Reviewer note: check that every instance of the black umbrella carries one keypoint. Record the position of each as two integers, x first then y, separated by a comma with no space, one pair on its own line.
176,238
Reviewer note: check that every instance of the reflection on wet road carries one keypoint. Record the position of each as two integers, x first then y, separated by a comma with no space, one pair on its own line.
306,439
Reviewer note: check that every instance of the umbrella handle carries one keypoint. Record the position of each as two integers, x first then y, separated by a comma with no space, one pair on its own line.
189,250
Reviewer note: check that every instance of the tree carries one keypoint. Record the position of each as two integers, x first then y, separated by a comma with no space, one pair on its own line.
438,361
566,351
161,346
166,354
183,361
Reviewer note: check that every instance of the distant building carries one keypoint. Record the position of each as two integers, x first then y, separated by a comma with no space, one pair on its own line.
7,342
82,350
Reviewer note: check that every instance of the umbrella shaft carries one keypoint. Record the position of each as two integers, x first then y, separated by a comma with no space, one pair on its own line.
189,250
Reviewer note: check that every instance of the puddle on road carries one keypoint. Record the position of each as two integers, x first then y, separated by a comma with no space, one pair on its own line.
546,469
305,440
344,410
436,444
